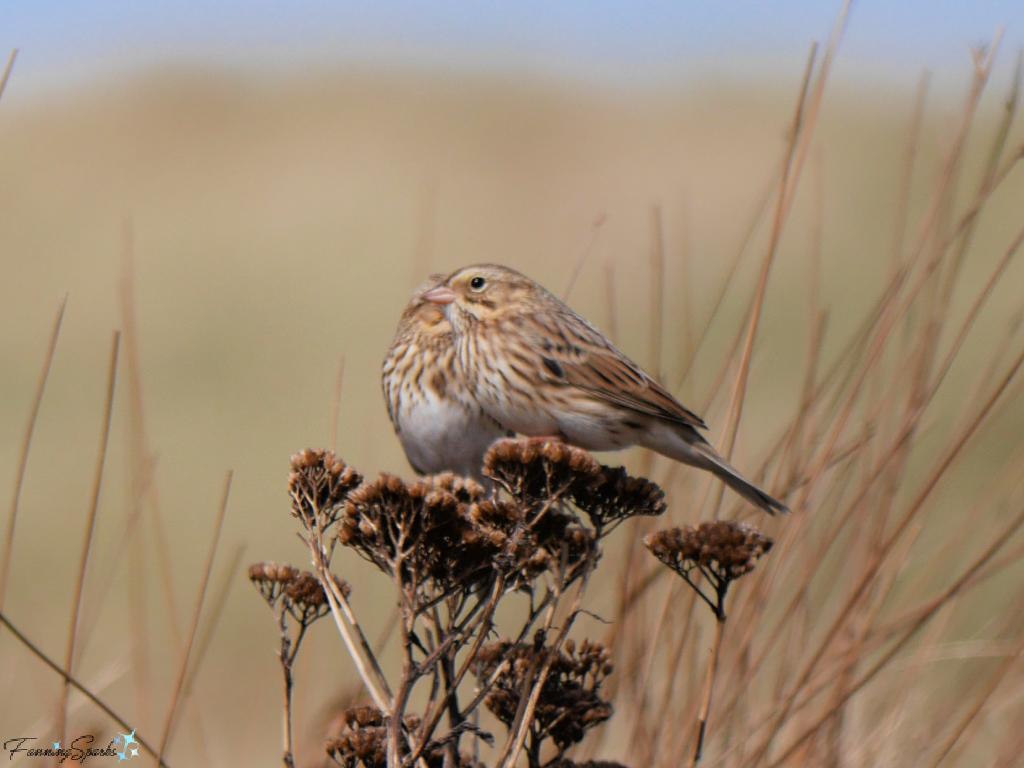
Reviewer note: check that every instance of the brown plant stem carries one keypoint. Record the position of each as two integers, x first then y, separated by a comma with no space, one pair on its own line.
289,651
286,667
595,229
337,600
12,516
657,290
907,173
7,71
752,227
481,634
187,652
801,131
89,531
899,442
396,715
337,404
705,704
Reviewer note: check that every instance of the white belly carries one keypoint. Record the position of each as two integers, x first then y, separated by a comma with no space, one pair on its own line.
446,436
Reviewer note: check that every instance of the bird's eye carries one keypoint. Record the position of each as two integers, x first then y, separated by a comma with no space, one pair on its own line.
477,283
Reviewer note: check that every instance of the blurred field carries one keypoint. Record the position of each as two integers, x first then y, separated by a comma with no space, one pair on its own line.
279,224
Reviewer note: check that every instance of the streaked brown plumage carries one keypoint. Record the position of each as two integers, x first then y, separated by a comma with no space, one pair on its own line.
510,351
439,431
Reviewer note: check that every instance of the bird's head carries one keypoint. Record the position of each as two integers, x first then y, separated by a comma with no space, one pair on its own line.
483,293
426,319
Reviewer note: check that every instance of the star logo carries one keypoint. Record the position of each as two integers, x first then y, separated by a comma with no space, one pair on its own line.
125,740
56,745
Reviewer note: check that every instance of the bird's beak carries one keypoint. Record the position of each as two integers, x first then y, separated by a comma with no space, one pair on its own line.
442,294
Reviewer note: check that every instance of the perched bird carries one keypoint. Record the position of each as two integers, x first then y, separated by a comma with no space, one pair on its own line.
533,366
439,431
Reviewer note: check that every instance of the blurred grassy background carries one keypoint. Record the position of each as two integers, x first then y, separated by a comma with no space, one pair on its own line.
280,223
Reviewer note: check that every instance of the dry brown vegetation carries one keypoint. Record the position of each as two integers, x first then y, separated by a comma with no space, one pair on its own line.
245,235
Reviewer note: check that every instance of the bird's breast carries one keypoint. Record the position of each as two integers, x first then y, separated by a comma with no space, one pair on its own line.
440,435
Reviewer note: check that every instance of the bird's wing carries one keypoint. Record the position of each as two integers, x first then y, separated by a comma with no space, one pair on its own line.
575,353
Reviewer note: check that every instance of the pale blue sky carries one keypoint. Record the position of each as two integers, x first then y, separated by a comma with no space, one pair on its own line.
626,40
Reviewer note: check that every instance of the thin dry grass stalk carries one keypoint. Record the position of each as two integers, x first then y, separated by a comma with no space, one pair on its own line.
337,403
790,175
90,528
186,654
26,446
657,291
595,230
7,71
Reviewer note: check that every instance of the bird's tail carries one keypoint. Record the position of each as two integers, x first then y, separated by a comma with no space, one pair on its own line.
694,450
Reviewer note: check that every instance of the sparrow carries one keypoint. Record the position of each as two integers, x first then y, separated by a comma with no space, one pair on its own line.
486,350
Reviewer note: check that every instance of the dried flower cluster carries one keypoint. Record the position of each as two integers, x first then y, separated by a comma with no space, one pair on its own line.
319,483
531,470
415,531
535,473
454,551
721,550
465,489
435,540
363,742
617,497
527,545
303,596
271,579
725,548
569,703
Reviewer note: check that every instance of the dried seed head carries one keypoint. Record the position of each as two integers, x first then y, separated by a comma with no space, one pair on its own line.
319,483
360,749
440,543
618,496
363,717
725,549
362,742
569,703
271,579
464,489
498,516
527,545
421,528
306,600
306,590
533,471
